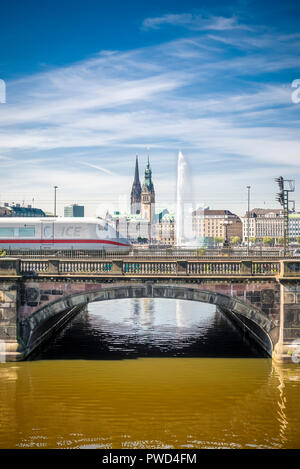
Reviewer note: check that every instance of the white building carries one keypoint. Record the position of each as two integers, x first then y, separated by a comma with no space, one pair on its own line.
129,226
294,225
216,224
164,228
263,223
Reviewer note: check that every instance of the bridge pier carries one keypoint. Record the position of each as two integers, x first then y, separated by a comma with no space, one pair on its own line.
9,343
287,348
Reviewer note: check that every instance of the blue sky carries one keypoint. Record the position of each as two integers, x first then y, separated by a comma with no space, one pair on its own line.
90,84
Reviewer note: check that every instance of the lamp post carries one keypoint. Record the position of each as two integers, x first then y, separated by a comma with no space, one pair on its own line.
248,220
55,187
226,223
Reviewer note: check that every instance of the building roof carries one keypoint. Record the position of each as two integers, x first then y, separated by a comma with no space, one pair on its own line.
261,212
208,212
16,211
168,217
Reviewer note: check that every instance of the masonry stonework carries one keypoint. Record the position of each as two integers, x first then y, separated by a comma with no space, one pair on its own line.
34,305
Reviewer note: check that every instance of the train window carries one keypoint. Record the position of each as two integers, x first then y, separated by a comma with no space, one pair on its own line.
9,232
24,232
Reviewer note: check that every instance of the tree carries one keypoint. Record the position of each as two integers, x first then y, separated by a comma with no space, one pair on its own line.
200,252
280,240
2,253
252,239
219,240
268,241
235,240
298,239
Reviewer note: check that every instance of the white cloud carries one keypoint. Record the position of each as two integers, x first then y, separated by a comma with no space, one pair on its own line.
58,127
106,171
194,22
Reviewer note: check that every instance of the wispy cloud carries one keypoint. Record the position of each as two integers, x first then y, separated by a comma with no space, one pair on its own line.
191,93
194,22
104,170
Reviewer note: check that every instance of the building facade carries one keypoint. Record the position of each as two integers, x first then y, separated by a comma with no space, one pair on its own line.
74,211
263,223
294,226
216,224
130,226
164,231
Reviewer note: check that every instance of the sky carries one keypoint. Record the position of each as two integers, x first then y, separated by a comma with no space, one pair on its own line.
90,84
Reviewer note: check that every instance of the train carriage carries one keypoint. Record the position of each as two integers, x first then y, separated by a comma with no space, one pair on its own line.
60,233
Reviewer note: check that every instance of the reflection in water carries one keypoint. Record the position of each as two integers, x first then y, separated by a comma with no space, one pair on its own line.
218,394
149,328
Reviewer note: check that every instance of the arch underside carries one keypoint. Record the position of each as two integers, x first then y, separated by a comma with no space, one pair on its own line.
226,303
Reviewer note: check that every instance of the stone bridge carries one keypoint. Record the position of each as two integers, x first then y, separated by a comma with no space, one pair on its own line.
37,297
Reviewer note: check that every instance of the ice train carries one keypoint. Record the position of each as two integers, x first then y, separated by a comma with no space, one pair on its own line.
60,233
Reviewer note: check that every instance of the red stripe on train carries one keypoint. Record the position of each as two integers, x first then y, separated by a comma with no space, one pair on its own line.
60,241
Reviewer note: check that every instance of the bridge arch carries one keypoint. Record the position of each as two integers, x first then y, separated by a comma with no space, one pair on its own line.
32,328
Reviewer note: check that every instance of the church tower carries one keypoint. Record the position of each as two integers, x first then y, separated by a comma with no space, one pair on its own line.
135,200
148,196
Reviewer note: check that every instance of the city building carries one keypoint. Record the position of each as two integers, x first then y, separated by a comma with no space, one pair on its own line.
135,197
148,196
5,212
130,226
294,226
142,202
216,224
74,211
164,231
17,210
263,223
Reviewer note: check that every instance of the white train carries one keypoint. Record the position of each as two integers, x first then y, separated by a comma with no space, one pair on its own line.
57,233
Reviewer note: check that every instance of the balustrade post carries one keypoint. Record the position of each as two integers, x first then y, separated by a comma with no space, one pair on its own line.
53,266
9,267
181,267
290,268
117,267
246,267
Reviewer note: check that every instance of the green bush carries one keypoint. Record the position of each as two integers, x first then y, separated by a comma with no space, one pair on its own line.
268,241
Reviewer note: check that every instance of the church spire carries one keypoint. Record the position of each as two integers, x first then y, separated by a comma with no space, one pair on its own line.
135,205
136,173
148,175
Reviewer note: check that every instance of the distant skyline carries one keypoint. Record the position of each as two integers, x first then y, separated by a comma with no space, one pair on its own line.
91,84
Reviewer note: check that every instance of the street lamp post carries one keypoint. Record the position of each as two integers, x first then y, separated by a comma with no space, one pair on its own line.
55,187
248,220
226,223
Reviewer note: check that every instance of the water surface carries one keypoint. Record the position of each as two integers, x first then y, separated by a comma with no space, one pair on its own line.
149,374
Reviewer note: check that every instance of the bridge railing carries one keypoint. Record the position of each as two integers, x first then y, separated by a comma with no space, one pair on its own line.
192,268
213,268
86,267
265,268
